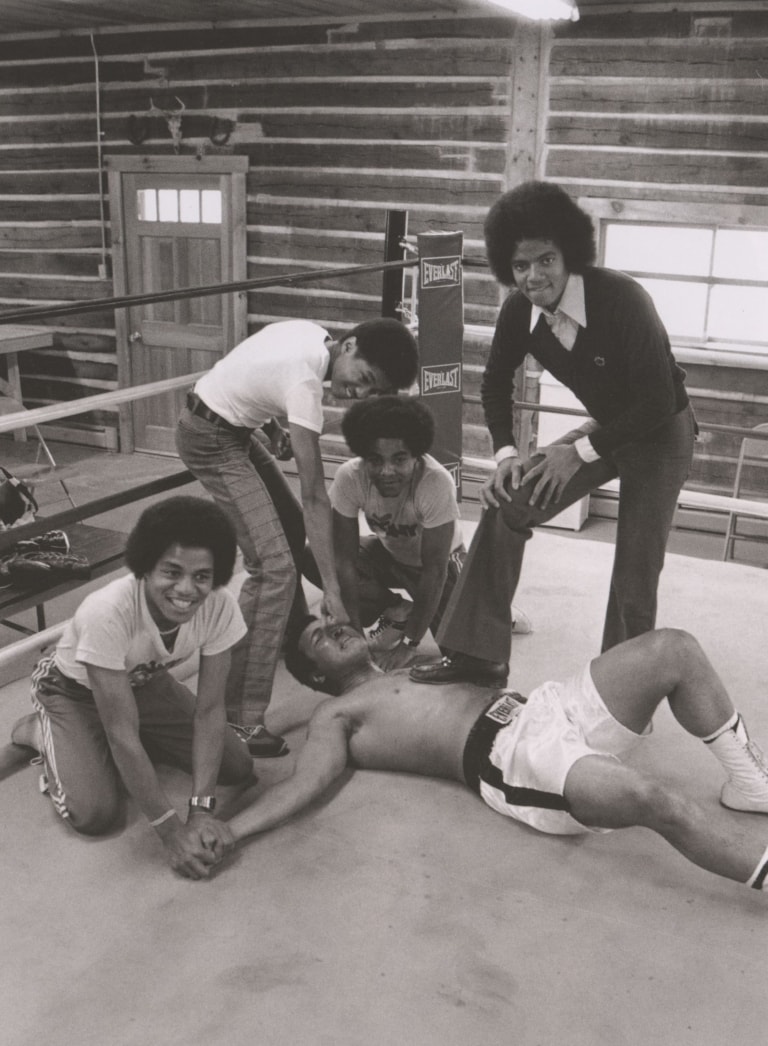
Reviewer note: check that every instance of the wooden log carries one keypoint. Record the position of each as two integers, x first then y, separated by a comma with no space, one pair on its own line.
667,133
410,189
49,264
701,58
658,167
479,57
670,97
39,235
82,289
443,156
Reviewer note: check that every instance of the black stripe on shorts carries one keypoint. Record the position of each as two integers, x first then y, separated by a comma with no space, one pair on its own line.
478,767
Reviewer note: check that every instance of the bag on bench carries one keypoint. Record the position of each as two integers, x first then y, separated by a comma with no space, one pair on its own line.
17,502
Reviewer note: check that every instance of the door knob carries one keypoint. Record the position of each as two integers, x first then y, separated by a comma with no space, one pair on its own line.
136,336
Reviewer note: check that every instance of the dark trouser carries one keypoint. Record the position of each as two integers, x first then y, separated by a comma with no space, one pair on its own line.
378,573
478,620
245,480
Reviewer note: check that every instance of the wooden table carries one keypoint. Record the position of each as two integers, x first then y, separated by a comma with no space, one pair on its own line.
13,340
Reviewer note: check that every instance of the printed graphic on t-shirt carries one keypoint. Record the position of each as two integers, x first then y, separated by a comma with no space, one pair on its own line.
385,526
139,675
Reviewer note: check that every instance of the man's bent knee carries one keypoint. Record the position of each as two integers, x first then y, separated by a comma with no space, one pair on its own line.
666,811
95,817
672,646
602,793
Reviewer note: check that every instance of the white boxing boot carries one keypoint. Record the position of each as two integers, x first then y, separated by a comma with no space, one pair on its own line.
747,786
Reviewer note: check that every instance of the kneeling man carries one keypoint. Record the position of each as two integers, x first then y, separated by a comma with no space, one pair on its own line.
108,703
409,503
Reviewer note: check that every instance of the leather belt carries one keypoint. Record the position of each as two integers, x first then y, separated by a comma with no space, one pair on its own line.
202,410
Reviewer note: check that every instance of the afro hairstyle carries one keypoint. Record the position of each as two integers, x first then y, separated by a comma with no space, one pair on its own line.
537,211
187,521
388,417
386,343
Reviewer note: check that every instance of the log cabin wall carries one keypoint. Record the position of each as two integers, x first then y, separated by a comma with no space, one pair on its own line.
340,122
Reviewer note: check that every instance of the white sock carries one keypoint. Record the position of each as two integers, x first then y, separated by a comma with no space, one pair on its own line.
758,880
729,725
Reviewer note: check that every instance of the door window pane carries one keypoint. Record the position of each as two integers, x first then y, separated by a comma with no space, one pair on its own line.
185,205
212,206
168,205
146,205
189,205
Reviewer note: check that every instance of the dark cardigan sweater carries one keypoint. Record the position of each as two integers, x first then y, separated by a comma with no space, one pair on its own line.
621,367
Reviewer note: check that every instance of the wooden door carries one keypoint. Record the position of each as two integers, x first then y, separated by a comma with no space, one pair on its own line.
180,227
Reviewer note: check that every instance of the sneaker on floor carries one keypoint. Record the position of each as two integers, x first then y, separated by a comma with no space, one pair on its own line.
521,623
388,630
385,635
261,743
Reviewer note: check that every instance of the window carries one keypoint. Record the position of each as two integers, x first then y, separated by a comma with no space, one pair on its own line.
180,205
707,275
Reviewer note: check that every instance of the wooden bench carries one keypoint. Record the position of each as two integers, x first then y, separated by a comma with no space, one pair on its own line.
101,546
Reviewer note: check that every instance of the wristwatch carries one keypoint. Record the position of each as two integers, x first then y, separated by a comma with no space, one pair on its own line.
410,642
203,802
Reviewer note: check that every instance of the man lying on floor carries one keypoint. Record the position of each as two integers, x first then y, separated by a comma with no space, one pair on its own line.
553,761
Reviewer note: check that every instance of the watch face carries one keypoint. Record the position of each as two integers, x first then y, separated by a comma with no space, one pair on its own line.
203,802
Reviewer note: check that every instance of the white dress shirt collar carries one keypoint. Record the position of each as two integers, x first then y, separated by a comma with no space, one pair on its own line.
571,304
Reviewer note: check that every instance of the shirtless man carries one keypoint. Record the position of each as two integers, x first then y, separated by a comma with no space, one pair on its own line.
551,761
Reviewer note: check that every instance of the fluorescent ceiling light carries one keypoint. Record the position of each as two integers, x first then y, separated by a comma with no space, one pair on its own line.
541,10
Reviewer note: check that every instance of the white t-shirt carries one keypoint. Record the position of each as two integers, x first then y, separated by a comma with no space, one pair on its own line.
277,372
428,501
113,628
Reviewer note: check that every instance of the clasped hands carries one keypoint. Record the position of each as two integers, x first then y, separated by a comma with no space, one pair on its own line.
546,472
196,847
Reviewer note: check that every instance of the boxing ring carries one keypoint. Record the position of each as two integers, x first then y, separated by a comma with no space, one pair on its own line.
400,909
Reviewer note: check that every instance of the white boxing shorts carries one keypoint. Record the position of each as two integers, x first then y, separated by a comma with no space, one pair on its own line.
519,752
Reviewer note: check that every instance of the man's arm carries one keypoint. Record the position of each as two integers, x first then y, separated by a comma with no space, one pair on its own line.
120,718
346,542
435,552
318,520
321,760
210,723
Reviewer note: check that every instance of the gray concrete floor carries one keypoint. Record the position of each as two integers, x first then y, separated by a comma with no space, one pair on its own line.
400,909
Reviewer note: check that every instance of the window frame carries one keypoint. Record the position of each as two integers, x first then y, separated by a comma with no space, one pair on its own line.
606,211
